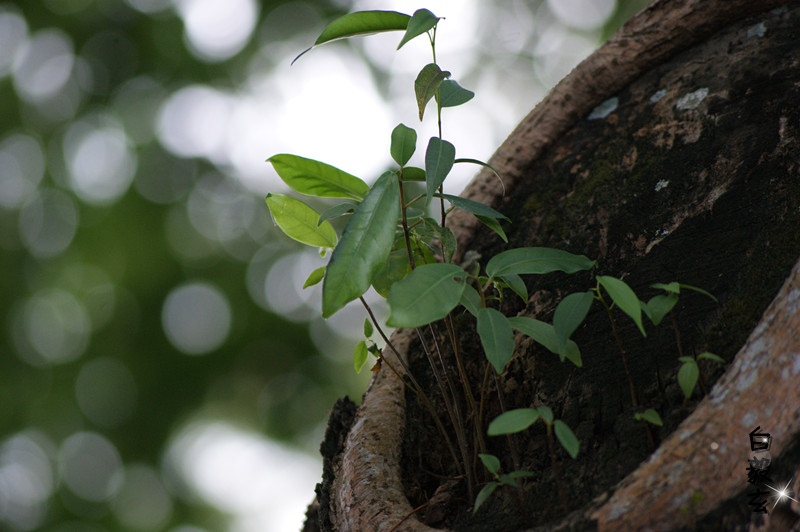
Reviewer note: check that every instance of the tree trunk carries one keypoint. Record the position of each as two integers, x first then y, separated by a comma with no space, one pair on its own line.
671,154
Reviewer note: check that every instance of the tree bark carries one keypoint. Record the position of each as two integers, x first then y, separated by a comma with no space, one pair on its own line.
670,154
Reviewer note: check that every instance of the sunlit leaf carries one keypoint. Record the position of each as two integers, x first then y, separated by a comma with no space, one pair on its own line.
404,142
545,335
484,494
513,421
687,376
316,178
360,23
451,94
490,462
536,260
315,277
570,313
421,21
360,355
566,437
366,242
624,297
299,221
428,294
427,83
439,159
497,338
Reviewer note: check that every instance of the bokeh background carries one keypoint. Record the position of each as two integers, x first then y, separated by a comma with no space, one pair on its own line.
160,368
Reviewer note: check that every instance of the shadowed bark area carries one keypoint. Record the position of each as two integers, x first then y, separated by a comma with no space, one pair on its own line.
665,160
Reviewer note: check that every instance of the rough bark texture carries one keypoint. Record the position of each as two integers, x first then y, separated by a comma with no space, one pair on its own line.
689,173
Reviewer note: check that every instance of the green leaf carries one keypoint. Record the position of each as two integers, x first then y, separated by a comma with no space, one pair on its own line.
545,335
427,83
687,376
649,415
490,462
412,173
513,421
421,21
451,94
394,269
364,246
431,229
368,330
404,142
474,207
520,474
494,225
438,161
517,285
336,211
471,300
315,277
360,355
698,290
316,178
485,165
570,313
429,293
624,297
299,221
710,356
358,24
547,414
659,306
484,494
536,260
672,288
497,338
567,438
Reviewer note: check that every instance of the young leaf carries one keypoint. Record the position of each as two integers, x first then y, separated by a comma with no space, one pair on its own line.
711,356
545,335
513,421
484,494
687,376
624,297
421,21
365,244
360,355
474,207
299,221
336,211
360,23
659,306
494,225
649,415
471,300
497,338
451,94
315,277
368,330
429,293
490,462
316,178
547,414
536,260
517,285
570,313
566,437
439,159
404,142
427,83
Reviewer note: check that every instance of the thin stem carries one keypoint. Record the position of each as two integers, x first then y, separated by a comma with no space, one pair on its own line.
404,221
622,352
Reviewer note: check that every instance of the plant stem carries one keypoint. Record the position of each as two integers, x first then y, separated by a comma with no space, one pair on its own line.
404,221
622,352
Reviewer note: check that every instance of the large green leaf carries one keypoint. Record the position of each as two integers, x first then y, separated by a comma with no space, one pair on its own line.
366,242
452,94
299,221
427,83
316,178
439,159
497,338
545,335
536,260
428,294
624,297
569,314
513,421
404,142
421,21
358,24
566,437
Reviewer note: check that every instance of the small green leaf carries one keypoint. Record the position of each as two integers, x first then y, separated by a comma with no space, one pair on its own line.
471,300
429,293
517,285
659,306
360,355
421,21
651,416
497,338
427,83
687,376
299,221
624,297
474,207
494,225
315,277
412,173
520,474
570,313
547,414
358,24
536,260
545,335
567,438
404,142
368,330
366,242
485,165
336,211
513,421
451,94
490,462
484,494
711,356
698,290
439,159
316,178
431,229
671,288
